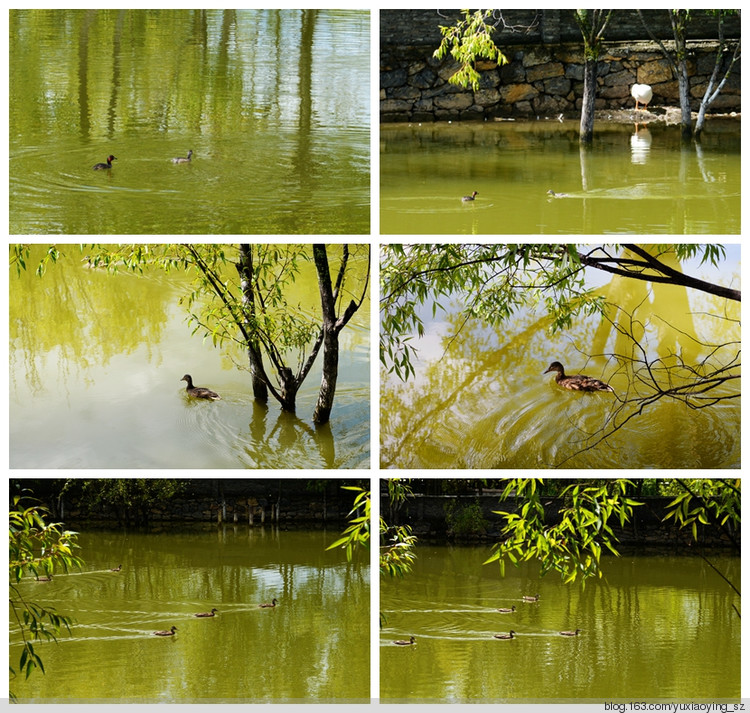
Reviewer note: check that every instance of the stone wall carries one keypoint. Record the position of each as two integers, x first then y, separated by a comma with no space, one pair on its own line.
542,79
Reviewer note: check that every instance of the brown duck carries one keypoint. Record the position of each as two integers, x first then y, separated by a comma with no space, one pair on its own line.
268,606
406,642
577,382
199,392
207,613
166,633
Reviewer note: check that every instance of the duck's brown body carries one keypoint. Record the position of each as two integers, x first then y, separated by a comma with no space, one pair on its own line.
199,392
509,635
268,606
171,632
406,642
577,382
207,613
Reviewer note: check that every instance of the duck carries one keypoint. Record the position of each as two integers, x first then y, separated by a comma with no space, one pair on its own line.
535,598
183,159
207,613
198,391
405,642
509,635
116,569
471,197
102,166
508,611
268,606
552,194
166,633
577,382
570,633
642,94
48,578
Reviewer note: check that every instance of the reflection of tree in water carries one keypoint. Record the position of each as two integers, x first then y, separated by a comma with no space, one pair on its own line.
80,318
480,400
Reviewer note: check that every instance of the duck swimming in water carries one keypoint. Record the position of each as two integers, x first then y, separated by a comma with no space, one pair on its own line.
471,197
577,382
509,635
166,633
198,391
182,159
404,642
552,194
207,613
268,606
102,166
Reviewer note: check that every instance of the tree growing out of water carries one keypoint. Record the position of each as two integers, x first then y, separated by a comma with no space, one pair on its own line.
494,282
471,38
241,296
727,55
38,549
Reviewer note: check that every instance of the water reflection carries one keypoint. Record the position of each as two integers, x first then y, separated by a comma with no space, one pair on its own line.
612,187
480,398
274,104
313,645
96,361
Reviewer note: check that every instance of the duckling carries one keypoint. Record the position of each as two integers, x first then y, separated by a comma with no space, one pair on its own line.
535,598
552,194
509,635
166,633
116,569
508,611
471,197
268,606
198,391
570,633
577,382
183,159
409,642
207,613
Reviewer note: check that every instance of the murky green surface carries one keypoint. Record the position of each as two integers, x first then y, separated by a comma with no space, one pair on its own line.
481,399
274,104
96,361
658,627
314,645
630,182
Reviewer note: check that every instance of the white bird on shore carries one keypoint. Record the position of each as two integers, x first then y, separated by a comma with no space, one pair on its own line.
641,93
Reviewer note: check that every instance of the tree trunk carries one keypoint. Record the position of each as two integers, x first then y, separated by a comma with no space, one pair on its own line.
679,20
589,100
255,358
330,338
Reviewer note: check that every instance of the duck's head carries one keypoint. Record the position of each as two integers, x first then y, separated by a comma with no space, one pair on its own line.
187,378
555,366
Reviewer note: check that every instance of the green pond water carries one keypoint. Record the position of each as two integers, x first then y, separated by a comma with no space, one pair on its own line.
96,361
274,104
481,398
657,627
314,645
635,180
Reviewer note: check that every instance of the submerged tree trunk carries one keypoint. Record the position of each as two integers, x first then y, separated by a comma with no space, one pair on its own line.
255,358
330,336
331,328
589,100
